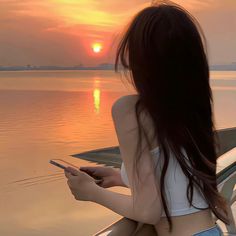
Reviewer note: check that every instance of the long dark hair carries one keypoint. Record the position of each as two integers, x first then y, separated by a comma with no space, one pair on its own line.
164,52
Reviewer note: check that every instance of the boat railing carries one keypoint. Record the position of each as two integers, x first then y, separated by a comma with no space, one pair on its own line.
226,180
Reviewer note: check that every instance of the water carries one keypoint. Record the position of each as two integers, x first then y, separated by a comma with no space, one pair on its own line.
51,114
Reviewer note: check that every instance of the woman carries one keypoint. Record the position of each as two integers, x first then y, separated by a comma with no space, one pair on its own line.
165,131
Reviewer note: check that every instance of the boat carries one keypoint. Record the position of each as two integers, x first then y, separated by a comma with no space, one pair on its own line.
226,176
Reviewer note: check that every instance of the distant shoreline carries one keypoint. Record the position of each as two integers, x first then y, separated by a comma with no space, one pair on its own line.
10,70
52,69
109,67
104,66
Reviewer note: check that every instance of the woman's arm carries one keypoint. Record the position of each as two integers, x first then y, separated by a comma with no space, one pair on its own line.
109,176
146,192
118,179
84,188
123,205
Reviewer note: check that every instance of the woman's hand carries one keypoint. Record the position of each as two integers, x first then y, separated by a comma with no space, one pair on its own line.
110,177
82,185
84,188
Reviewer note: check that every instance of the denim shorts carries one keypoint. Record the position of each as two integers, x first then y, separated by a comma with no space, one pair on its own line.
213,231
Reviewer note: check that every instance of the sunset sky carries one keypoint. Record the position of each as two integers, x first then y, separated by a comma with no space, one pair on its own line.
70,32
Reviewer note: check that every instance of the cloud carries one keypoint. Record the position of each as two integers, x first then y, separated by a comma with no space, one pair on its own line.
40,31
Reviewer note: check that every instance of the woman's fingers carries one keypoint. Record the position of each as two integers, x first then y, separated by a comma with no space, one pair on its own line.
98,171
72,171
104,184
67,174
88,169
93,171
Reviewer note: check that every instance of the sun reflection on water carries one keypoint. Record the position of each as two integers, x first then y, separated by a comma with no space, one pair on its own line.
96,99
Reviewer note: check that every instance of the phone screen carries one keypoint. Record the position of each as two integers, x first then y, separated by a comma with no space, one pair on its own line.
62,164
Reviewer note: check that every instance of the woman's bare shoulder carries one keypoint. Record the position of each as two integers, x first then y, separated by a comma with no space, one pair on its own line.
124,103
123,113
124,107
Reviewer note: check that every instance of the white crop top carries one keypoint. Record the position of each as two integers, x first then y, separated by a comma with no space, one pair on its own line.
175,186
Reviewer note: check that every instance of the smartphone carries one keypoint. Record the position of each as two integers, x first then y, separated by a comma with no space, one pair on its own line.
64,164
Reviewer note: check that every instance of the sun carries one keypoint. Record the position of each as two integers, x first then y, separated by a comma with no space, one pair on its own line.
97,47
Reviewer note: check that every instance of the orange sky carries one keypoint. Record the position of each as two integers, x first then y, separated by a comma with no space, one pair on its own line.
61,32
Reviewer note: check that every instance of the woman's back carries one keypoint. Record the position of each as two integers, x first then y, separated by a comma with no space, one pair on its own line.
186,220
164,53
175,185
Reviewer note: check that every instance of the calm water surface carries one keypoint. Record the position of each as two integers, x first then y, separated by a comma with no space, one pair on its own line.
51,114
